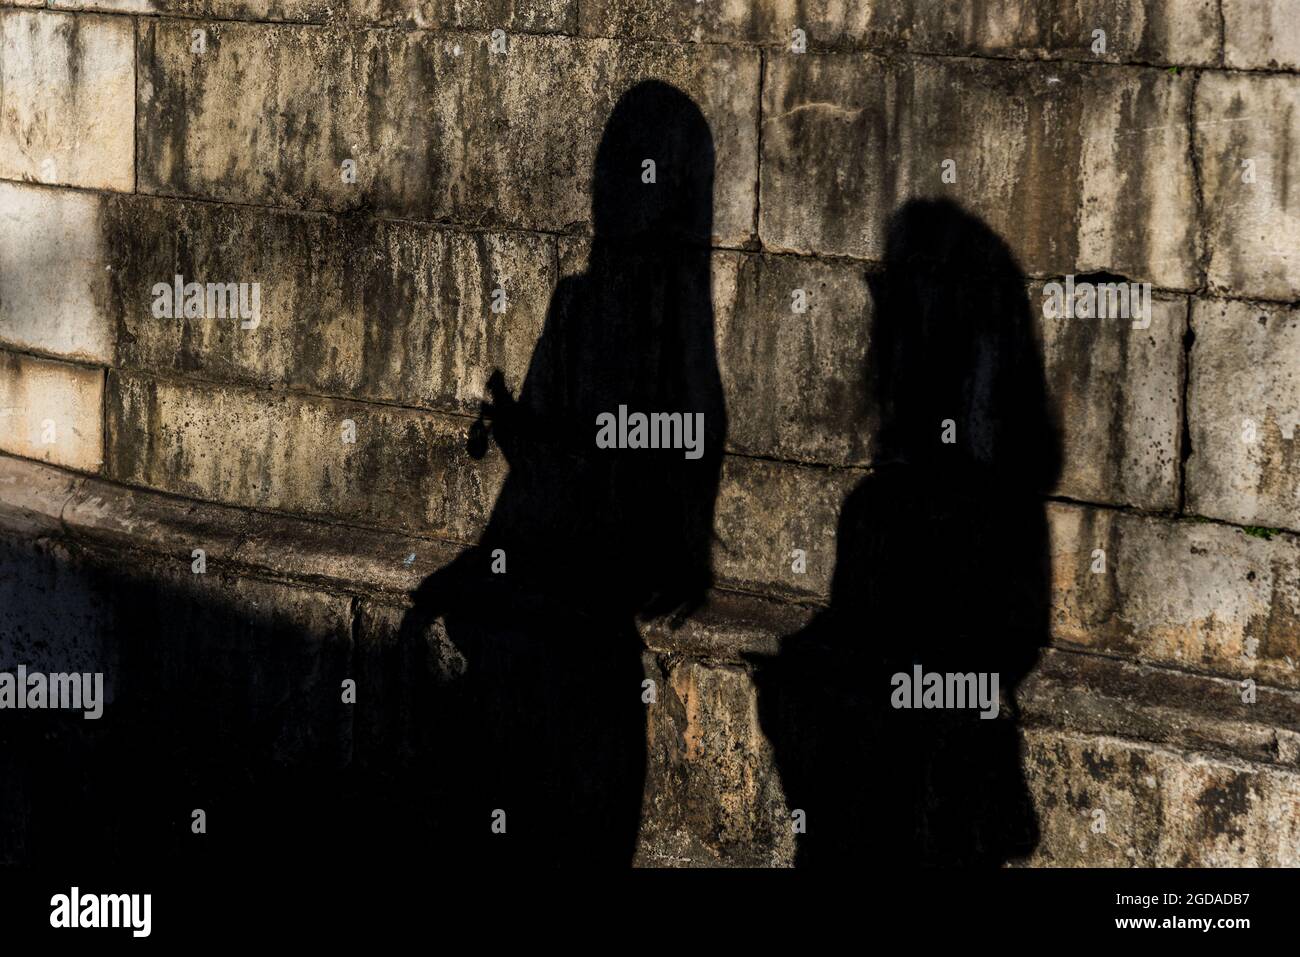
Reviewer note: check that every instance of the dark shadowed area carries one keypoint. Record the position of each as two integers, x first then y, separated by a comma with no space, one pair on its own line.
547,721
942,561
512,687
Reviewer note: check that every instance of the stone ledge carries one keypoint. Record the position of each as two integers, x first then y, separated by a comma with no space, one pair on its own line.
1186,594
69,98
37,499
1090,694
1069,689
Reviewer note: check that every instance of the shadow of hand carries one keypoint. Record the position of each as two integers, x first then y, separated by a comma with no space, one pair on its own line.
500,410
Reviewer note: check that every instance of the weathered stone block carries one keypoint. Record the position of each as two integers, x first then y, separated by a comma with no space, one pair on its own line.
439,126
1244,413
411,471
52,411
1119,392
1192,594
1169,31
765,510
406,469
1107,802
795,381
69,99
54,273
797,384
1078,168
290,10
530,16
826,22
1098,801
38,499
1260,34
1146,31
1248,143
1228,815
227,667
713,795
395,312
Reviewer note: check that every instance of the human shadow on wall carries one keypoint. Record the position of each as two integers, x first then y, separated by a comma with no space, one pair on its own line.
545,718
942,561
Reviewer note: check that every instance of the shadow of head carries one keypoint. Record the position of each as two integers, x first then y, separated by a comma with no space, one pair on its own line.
653,175
955,362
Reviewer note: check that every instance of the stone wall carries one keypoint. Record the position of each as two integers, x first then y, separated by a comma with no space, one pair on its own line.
140,139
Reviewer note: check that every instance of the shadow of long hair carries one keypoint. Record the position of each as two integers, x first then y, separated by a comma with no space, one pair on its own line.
942,561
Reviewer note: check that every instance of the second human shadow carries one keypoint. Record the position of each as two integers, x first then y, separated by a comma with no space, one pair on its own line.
942,562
